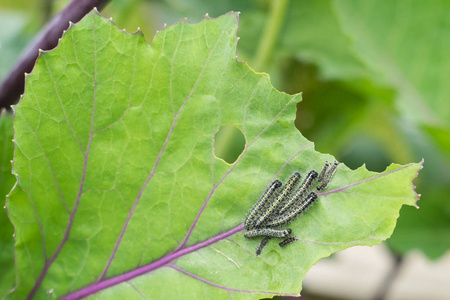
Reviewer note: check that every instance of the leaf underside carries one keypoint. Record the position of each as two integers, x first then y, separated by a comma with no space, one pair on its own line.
114,151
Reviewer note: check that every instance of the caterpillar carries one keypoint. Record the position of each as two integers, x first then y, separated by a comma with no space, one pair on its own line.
288,241
262,244
301,191
290,184
297,209
327,177
278,205
256,209
268,232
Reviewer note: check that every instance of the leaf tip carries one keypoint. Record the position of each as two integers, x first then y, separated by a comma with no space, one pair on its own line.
139,32
42,52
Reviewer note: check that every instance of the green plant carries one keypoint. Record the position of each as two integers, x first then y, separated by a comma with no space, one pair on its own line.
120,192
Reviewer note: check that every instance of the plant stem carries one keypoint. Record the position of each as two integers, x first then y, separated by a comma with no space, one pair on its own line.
270,33
389,279
13,85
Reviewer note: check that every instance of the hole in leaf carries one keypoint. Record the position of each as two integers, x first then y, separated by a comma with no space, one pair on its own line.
229,142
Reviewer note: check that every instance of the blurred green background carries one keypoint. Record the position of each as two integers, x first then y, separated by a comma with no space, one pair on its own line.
374,76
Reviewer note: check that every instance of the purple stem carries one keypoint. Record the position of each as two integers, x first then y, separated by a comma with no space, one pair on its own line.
98,286
13,85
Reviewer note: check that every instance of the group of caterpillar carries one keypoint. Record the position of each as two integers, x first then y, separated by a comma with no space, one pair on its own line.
276,207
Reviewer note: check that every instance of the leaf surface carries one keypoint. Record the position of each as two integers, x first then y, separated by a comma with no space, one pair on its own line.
120,194
7,181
